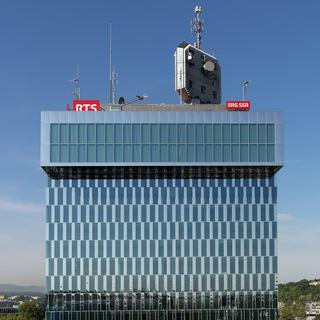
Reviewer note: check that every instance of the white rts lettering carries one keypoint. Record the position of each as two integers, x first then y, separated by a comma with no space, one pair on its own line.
86,107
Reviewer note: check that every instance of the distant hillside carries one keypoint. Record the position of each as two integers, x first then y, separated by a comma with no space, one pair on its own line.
301,290
12,288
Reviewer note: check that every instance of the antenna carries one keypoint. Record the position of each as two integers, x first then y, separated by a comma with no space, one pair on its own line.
197,26
110,64
244,89
76,81
114,81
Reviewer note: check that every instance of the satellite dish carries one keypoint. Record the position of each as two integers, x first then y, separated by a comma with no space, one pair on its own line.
121,100
209,66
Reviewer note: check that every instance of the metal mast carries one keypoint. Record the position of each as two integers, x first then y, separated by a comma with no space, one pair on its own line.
197,26
114,81
76,81
110,64
244,89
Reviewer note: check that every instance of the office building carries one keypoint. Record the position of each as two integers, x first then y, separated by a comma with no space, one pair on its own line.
161,212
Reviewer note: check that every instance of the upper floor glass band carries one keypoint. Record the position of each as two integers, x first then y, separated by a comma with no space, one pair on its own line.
144,137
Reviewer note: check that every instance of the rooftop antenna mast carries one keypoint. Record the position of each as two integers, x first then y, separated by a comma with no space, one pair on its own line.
112,74
76,81
114,81
245,85
197,26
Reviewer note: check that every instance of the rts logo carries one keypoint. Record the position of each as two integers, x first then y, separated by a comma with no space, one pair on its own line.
86,105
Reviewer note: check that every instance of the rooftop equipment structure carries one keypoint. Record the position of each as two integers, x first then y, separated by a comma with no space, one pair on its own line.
197,73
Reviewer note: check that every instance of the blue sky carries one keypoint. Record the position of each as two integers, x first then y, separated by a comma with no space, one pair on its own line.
273,43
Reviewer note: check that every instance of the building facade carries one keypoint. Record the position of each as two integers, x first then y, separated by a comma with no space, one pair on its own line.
162,212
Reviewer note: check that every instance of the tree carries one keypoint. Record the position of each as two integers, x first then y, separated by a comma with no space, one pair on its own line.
296,310
32,310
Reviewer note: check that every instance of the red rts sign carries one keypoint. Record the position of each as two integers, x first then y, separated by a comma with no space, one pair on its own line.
238,105
86,105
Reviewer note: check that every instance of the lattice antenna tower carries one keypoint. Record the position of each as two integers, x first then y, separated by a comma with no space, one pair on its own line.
76,81
197,26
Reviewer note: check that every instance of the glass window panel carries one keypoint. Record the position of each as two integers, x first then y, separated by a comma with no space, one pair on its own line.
73,153
73,133
182,157
235,133
181,133
64,153
164,153
54,133
190,133
199,133
145,128
262,153
173,152
109,133
209,157
136,133
217,133
154,133
164,133
136,153
100,133
82,153
127,153
172,133
127,134
91,153
63,133
253,153
271,153
54,153
109,153
235,153
145,153
253,133
118,152
200,152
226,135
190,155
154,153
244,133
270,129
244,153
262,133
82,133
226,153
91,133
118,133
101,152
208,133
217,153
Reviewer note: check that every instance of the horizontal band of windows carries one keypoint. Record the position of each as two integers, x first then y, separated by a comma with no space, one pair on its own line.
163,172
162,153
162,133
214,300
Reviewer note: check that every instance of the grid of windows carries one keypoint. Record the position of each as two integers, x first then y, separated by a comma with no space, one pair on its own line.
182,142
161,234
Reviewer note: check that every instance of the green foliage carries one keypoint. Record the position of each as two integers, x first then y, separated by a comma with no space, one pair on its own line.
32,310
298,291
10,317
317,317
292,311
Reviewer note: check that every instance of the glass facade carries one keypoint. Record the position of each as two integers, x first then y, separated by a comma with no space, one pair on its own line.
96,142
170,247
